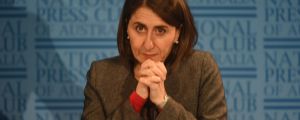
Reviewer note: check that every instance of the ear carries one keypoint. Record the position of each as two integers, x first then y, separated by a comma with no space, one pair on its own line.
127,35
177,33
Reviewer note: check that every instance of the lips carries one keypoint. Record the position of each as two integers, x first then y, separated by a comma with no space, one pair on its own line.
149,55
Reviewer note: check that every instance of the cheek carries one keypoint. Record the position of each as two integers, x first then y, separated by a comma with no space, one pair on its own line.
135,44
133,40
165,47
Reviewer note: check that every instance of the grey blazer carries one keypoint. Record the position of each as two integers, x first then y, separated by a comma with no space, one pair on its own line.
195,91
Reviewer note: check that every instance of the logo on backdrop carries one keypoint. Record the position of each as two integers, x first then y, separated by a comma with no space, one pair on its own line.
281,43
228,29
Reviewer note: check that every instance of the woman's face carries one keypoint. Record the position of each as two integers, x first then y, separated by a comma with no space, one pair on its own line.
150,37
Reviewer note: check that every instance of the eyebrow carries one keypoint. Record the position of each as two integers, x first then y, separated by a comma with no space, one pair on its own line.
156,26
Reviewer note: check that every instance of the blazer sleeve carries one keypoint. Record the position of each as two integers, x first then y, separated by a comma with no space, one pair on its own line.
175,111
211,104
94,107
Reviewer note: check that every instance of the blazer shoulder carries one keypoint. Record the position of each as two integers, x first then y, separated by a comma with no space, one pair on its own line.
112,63
108,71
200,57
200,61
108,61
108,67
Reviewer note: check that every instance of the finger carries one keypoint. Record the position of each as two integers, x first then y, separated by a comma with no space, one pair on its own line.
150,80
156,71
155,79
157,67
137,70
146,73
147,64
145,81
154,87
162,67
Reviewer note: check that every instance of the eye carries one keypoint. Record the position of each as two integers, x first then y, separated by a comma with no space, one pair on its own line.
161,31
140,28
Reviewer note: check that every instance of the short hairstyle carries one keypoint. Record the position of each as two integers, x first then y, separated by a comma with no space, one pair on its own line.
175,13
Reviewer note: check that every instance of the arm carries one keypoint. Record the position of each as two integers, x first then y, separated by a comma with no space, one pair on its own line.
211,104
94,106
174,111
212,101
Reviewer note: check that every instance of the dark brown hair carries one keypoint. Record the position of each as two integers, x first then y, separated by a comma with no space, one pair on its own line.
173,12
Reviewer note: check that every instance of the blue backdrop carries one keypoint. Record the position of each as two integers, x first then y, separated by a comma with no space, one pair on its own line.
46,47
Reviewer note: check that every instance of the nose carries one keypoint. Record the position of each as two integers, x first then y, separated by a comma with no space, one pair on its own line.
148,42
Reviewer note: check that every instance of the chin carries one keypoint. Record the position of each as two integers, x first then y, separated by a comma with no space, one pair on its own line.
154,59
143,59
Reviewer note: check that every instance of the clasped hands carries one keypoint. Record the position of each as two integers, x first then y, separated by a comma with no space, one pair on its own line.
151,76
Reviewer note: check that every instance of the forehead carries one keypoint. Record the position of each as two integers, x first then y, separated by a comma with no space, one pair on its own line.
146,16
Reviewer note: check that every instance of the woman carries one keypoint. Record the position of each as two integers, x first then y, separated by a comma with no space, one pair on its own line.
157,75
